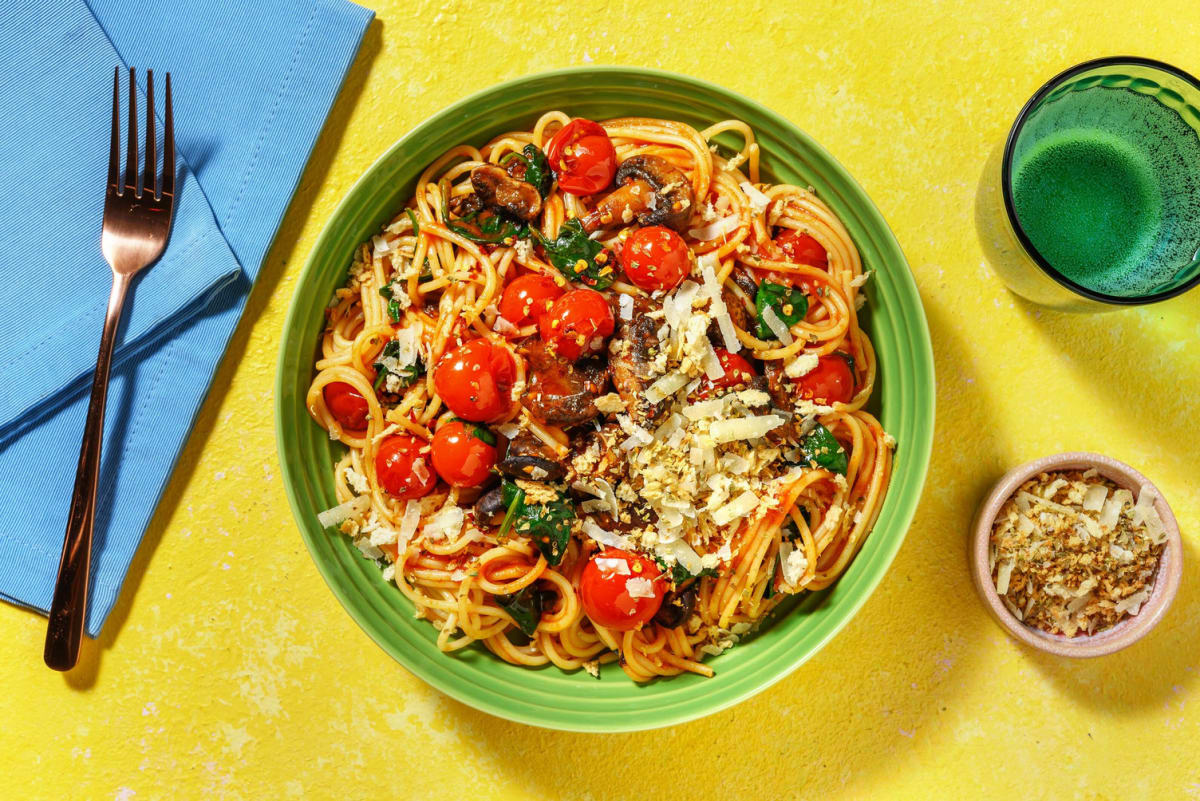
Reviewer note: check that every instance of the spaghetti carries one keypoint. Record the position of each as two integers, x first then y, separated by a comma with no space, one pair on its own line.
675,460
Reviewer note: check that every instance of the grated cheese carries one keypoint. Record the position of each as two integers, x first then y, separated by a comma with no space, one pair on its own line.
639,587
802,365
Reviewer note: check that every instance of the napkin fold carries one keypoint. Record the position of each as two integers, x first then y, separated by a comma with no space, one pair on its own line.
252,84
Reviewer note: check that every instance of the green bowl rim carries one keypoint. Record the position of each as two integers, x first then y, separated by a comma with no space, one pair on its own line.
921,444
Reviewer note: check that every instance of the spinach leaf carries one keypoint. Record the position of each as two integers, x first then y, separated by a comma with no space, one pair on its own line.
849,363
679,574
483,433
514,499
537,169
577,257
823,450
488,229
789,304
547,524
416,226
526,606
407,375
393,306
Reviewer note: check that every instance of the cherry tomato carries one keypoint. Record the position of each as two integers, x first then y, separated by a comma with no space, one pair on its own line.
605,591
461,455
475,379
528,297
577,323
802,249
582,157
656,258
347,405
738,371
829,382
402,467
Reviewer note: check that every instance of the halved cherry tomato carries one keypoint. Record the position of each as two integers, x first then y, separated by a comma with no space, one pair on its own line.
604,589
347,405
802,249
475,380
829,382
582,157
577,324
402,467
462,455
528,297
656,258
738,371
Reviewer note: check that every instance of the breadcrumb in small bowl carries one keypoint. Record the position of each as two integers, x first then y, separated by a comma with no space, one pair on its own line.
1076,554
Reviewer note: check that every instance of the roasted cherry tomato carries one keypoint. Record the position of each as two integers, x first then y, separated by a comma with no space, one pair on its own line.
621,590
583,157
402,467
829,382
464,453
738,371
347,405
475,380
577,324
656,258
802,249
528,297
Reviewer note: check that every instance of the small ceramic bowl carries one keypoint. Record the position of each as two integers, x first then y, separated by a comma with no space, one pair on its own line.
1131,628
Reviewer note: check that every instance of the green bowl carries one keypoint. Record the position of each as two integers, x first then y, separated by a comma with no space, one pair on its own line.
547,696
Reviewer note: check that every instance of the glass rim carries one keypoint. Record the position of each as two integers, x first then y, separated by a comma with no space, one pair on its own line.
1006,180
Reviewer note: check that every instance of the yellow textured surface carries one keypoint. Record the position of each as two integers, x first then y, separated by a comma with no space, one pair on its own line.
229,670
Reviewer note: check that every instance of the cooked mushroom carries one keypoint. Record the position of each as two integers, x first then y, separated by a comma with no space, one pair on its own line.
676,607
528,457
650,189
490,508
562,393
631,356
502,192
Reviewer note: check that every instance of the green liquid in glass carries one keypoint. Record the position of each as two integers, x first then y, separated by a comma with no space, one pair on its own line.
1104,183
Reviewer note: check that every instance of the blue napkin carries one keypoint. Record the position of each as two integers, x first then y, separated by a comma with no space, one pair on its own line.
252,87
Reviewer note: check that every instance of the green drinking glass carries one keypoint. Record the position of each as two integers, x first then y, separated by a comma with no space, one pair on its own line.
1100,184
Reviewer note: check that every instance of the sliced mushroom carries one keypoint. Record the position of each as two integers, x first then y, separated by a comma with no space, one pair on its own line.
676,607
562,393
528,457
490,508
632,351
502,192
649,189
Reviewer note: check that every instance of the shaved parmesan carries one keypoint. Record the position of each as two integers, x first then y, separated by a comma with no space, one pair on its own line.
684,554
720,313
740,506
618,567
344,511
604,536
410,521
625,306
381,245
639,587
802,365
723,226
758,201
1003,575
701,409
1093,499
610,403
777,326
448,522
744,427
665,387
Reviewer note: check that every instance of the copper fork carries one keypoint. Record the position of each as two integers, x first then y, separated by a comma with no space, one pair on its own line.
137,224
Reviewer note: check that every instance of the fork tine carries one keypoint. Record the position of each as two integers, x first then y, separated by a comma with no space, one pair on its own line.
114,151
168,173
149,181
131,148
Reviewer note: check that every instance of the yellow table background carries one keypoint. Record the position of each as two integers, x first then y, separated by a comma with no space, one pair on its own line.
229,671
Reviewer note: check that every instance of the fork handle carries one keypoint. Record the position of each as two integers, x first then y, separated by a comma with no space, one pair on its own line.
68,609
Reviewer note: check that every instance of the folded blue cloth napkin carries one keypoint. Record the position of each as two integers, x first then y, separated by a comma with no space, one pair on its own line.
252,86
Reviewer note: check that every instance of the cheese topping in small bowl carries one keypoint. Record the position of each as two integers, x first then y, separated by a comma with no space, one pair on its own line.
1076,554
1073,553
